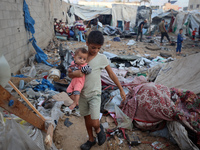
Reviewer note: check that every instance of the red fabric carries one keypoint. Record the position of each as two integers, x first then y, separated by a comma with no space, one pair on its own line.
194,32
148,102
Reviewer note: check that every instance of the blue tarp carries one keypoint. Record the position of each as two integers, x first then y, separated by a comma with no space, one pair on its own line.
45,85
29,25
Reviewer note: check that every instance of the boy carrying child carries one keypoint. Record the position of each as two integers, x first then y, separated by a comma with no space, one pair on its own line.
90,97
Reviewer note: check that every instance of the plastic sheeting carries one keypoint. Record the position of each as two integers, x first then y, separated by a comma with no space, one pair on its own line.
181,136
182,74
5,72
13,137
29,25
89,13
121,12
187,21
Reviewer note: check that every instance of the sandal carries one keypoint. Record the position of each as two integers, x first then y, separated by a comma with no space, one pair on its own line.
88,145
101,136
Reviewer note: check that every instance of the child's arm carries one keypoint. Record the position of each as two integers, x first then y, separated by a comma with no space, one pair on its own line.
116,81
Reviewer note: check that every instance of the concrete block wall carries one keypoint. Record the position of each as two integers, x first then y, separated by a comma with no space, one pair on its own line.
14,43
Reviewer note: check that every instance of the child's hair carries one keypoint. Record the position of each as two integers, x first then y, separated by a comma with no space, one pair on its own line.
82,50
95,37
180,29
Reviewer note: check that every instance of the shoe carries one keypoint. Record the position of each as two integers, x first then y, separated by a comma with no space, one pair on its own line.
88,145
101,136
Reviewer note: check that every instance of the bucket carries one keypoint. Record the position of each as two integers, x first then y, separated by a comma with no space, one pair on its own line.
54,74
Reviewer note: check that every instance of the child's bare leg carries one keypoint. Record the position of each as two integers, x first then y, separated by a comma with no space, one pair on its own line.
89,125
75,103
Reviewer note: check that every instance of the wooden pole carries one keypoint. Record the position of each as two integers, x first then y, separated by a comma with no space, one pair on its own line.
26,100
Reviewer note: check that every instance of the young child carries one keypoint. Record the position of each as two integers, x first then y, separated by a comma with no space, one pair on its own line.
194,33
76,85
179,42
90,98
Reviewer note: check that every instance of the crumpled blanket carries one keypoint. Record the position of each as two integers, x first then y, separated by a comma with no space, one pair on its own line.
148,103
187,108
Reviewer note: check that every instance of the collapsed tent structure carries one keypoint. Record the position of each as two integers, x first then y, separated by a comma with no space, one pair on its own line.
186,70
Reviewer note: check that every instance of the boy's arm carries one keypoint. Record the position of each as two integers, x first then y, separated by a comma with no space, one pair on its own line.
116,81
75,74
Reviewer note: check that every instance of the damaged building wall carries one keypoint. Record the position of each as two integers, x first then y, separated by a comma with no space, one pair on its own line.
13,36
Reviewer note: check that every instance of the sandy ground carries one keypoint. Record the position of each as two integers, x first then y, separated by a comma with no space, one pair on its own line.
70,138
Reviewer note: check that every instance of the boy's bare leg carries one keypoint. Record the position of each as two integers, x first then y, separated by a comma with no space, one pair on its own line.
75,98
89,123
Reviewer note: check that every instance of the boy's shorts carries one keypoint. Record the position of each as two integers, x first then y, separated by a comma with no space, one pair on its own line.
90,106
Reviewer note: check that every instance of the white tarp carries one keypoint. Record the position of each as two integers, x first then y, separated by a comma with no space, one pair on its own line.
123,13
187,21
89,13
182,73
178,23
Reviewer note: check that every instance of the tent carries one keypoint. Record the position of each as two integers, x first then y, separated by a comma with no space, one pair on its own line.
124,13
120,13
157,16
86,13
187,21
182,73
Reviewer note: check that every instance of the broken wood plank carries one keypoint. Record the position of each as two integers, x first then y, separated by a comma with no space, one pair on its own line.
26,100
12,105
49,136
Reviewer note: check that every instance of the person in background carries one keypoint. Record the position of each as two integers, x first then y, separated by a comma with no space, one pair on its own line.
179,42
199,32
163,31
166,26
140,30
194,33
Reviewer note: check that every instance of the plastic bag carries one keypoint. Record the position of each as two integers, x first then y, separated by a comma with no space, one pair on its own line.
13,137
122,119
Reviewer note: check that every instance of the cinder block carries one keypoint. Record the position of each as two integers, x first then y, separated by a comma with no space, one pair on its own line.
2,33
6,41
1,15
3,5
10,23
12,39
19,51
3,24
6,14
8,31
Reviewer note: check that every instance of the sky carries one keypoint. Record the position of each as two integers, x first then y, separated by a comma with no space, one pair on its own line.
181,3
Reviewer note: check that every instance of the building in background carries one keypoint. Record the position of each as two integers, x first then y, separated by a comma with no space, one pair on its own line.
105,3
194,5
168,6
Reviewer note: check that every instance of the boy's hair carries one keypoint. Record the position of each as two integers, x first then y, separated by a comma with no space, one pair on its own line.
180,29
95,37
82,50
